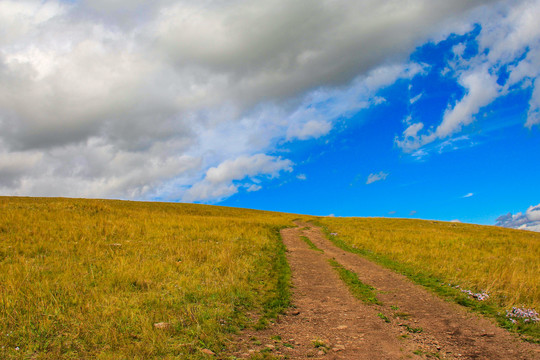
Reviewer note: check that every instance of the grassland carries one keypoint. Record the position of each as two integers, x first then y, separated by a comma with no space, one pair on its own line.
505,263
91,278
115,280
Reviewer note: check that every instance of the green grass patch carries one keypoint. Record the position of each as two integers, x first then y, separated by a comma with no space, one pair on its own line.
413,330
280,298
383,317
310,243
320,344
360,290
427,354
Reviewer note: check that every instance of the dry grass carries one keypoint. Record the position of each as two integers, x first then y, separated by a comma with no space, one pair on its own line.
504,262
90,278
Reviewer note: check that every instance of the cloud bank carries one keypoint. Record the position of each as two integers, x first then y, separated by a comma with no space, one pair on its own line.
530,220
182,100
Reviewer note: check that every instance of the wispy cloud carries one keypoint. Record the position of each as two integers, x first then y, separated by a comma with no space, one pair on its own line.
380,176
416,98
254,187
482,89
301,176
511,44
468,195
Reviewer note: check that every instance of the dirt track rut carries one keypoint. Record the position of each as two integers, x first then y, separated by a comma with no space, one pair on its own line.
327,322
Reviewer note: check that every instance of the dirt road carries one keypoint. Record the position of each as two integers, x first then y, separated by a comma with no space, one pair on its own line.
327,322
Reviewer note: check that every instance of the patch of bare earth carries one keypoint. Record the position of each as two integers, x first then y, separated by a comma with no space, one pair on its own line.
327,322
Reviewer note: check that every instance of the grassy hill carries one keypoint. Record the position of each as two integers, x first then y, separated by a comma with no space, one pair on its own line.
86,278
461,262
116,279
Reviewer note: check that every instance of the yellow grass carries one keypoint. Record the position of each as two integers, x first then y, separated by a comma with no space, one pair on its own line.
504,262
90,278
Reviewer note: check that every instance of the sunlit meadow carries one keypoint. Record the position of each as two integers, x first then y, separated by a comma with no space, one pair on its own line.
476,260
112,279
115,279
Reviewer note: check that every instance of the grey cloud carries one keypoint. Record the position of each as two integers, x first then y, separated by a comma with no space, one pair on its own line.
15,165
530,220
96,169
278,49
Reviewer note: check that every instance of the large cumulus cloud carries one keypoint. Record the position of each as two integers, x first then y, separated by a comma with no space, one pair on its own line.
133,99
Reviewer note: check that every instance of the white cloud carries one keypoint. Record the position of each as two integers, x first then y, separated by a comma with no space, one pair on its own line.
416,98
301,177
459,49
533,116
530,220
482,89
311,129
244,166
18,18
206,191
135,99
468,195
376,177
412,130
254,187
509,37
218,182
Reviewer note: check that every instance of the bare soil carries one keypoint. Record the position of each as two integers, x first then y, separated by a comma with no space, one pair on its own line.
327,322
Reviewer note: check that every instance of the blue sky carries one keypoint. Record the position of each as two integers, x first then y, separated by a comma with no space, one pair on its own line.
487,169
425,109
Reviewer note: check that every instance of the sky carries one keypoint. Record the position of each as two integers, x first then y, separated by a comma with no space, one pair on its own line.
390,108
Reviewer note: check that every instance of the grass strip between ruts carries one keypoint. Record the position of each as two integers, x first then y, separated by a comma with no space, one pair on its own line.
310,243
361,291
281,297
